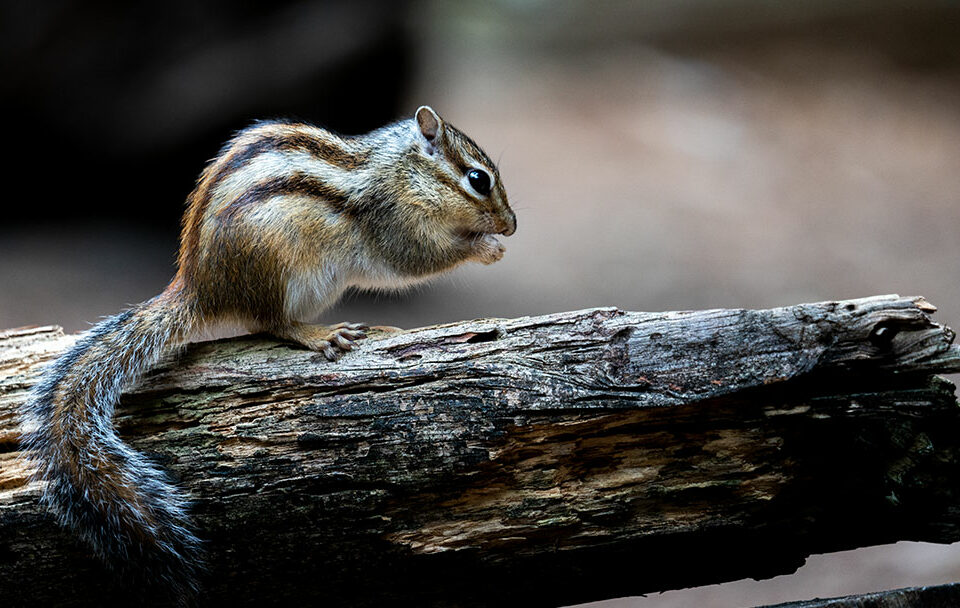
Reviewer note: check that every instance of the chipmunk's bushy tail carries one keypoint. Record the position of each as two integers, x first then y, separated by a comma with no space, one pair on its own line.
109,494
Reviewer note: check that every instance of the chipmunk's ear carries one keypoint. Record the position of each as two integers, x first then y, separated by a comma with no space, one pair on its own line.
431,127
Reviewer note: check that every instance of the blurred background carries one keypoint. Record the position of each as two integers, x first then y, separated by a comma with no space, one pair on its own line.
666,154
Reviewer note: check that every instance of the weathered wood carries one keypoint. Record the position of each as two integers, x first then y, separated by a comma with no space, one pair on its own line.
532,461
938,596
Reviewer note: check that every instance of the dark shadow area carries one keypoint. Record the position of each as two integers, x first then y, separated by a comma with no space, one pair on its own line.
114,107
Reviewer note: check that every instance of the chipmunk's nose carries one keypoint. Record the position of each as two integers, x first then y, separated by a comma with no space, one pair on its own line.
508,222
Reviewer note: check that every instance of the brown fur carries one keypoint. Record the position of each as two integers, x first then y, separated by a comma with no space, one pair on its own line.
412,216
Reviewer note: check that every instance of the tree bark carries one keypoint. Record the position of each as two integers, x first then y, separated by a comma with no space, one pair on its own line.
938,596
539,461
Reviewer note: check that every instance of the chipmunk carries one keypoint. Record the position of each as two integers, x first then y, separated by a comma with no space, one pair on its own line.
280,223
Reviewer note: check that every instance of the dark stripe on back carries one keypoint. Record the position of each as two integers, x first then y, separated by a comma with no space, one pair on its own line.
318,148
296,183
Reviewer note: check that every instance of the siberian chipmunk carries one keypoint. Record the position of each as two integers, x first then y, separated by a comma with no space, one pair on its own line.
280,223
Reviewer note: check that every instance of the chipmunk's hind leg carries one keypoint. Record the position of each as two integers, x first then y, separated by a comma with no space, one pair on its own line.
331,340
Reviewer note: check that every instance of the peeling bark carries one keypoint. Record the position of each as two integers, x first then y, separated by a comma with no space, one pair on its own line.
537,461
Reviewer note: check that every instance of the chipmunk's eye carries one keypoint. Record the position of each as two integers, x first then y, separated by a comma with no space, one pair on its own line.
479,181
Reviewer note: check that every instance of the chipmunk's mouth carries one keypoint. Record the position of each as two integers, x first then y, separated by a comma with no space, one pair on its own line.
473,235
490,225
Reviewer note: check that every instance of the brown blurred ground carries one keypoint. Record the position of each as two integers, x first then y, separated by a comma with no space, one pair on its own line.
774,161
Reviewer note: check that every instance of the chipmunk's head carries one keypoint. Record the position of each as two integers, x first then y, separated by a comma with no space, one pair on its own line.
464,185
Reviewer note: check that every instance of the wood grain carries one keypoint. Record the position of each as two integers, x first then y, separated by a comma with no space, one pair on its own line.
538,461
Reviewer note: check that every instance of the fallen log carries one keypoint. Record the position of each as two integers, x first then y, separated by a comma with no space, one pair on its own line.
538,461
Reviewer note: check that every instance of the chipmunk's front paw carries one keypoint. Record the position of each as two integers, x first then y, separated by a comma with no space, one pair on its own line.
489,250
